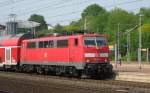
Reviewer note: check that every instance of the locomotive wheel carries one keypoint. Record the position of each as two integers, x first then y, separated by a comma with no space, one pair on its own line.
23,68
73,72
19,69
46,70
77,73
57,71
39,70
29,69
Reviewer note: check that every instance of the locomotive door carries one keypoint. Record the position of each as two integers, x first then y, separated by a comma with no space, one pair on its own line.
72,50
8,55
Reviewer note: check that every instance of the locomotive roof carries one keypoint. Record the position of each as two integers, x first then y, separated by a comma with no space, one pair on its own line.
11,40
62,37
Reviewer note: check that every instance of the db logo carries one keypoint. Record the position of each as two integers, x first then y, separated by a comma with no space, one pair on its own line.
45,55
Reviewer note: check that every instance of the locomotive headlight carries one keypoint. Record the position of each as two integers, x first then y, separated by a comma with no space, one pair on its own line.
89,55
87,60
103,55
106,60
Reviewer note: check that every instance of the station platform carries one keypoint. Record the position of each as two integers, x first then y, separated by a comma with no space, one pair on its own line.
132,72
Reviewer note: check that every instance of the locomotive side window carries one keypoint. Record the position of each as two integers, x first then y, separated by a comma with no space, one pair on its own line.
62,43
41,44
31,45
76,42
51,44
46,45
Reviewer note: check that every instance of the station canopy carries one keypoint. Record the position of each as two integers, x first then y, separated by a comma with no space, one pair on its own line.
28,24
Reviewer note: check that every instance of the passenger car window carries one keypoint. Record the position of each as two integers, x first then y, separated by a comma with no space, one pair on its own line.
31,45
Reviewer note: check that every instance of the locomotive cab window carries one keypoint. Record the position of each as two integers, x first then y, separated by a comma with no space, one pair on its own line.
31,45
62,43
95,41
89,41
101,41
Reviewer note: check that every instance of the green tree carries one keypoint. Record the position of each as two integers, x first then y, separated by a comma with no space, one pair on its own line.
98,23
92,10
125,21
40,19
96,18
44,32
122,17
73,26
146,14
145,28
146,36
59,28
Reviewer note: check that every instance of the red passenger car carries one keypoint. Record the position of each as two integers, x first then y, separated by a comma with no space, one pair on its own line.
10,47
10,50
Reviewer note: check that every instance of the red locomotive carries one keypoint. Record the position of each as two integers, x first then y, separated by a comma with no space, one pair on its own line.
72,55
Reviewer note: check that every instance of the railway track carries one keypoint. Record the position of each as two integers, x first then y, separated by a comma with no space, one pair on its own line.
109,81
57,84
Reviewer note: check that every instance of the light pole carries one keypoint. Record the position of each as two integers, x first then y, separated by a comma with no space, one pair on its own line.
85,24
116,55
84,21
118,43
140,42
128,32
128,47
147,50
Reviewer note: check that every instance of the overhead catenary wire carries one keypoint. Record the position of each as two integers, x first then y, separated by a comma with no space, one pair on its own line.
85,1
25,13
66,20
81,11
54,7
105,6
58,7
8,2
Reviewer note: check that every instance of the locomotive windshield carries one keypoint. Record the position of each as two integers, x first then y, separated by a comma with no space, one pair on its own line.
95,41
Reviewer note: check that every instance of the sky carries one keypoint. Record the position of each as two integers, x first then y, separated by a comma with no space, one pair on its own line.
62,11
